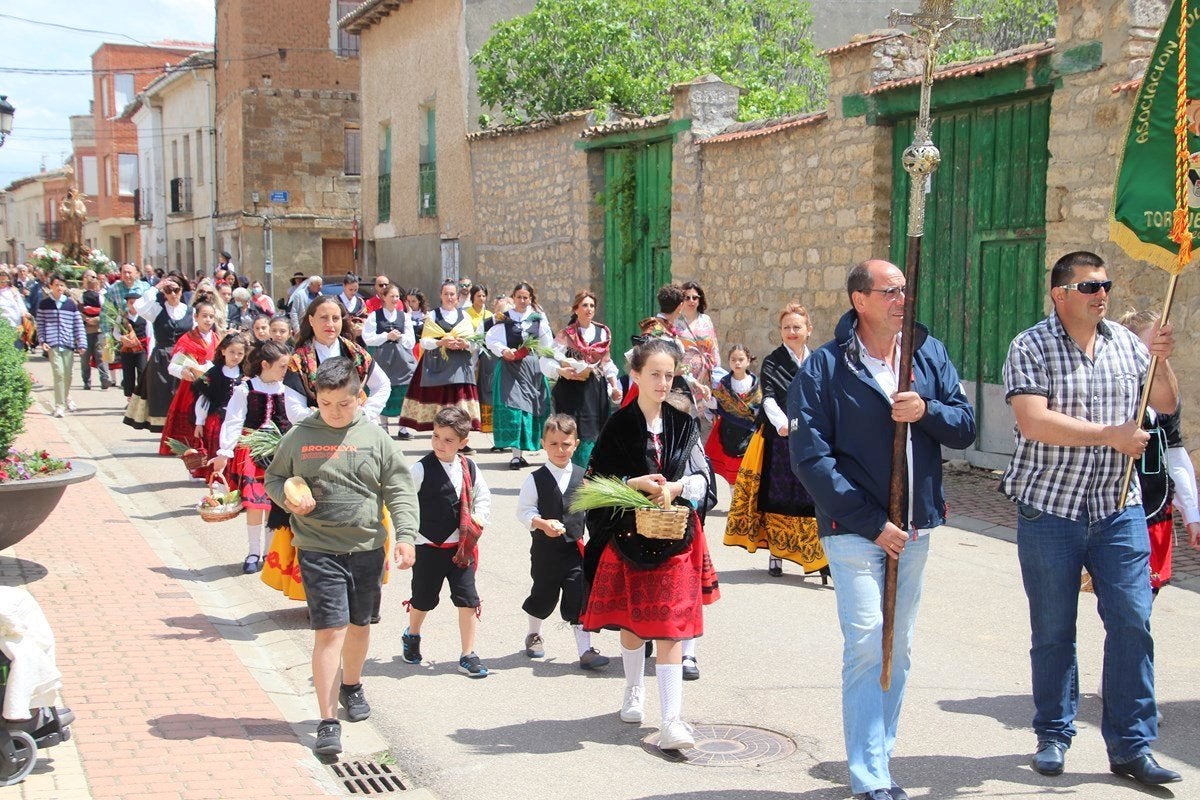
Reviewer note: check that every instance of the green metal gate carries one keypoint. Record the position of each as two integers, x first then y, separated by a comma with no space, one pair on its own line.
637,234
983,261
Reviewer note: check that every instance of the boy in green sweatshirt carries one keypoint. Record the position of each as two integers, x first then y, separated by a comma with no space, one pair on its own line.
353,468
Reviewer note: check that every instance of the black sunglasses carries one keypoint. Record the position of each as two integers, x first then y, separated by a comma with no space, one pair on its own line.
1090,287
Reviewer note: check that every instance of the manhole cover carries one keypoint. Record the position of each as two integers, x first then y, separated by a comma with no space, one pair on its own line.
366,776
727,745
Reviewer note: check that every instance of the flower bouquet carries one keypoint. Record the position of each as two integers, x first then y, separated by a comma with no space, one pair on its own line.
653,521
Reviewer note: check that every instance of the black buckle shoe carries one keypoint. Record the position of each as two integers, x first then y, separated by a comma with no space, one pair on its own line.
1146,771
1050,758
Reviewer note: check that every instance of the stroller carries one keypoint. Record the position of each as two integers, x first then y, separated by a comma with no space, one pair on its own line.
28,681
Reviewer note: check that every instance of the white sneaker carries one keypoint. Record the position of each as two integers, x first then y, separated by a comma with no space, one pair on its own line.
676,735
59,411
631,709
71,405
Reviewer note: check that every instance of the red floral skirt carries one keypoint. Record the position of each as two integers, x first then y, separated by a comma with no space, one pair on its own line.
250,479
181,420
662,602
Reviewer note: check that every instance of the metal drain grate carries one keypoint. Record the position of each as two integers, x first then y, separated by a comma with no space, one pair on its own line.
727,745
366,776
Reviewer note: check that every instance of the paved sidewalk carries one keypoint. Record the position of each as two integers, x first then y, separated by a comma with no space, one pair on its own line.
160,713
976,505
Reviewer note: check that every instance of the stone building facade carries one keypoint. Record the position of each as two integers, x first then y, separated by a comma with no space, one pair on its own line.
764,213
288,138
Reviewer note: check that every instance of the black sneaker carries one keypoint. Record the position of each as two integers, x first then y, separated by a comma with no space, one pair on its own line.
411,643
329,738
355,702
403,435
470,666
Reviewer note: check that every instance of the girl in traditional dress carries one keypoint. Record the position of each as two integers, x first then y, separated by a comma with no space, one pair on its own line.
281,330
585,393
260,329
169,318
770,507
191,357
212,396
445,375
520,395
736,399
695,333
325,333
656,449
388,334
258,403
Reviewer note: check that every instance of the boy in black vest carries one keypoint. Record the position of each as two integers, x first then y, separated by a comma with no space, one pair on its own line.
556,554
439,481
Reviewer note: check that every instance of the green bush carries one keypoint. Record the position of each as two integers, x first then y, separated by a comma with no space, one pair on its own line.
15,390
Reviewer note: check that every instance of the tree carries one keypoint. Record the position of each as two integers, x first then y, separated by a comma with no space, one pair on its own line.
1004,24
568,55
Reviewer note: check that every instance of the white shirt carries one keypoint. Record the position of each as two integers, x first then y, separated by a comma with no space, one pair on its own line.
353,303
12,305
235,412
149,305
377,384
497,337
888,378
776,415
233,373
373,338
527,506
451,317
482,497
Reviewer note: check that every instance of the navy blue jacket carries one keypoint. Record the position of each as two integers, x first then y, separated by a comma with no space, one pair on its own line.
841,433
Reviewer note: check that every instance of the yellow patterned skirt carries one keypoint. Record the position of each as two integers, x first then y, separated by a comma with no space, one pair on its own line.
281,567
790,537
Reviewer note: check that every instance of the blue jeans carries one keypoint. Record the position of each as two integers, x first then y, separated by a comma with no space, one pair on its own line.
869,714
1116,551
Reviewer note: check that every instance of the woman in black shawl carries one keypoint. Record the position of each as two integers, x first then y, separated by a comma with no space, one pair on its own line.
770,507
651,588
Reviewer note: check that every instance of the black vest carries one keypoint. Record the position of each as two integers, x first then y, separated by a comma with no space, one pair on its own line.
552,504
138,325
383,326
167,331
261,406
439,503
512,332
218,388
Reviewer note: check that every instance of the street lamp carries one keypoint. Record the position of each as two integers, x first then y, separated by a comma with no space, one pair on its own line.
6,115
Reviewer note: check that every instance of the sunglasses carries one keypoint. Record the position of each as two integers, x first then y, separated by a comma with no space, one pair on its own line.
891,292
1090,287
170,290
691,297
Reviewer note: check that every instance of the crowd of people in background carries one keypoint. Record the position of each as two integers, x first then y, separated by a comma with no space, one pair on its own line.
206,362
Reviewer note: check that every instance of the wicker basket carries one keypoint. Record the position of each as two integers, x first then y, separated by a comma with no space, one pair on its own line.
658,523
194,459
221,513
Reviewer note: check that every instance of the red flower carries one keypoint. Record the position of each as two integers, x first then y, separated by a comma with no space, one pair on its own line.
45,454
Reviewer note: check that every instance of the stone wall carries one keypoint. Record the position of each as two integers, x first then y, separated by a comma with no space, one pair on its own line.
537,218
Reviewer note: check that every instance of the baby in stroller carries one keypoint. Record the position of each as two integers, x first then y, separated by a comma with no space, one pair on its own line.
29,681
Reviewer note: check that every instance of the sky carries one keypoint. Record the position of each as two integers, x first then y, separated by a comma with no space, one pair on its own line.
43,102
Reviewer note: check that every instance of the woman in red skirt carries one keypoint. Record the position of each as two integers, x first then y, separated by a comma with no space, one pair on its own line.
651,589
191,357
212,396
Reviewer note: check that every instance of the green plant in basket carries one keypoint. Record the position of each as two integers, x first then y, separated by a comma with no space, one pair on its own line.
262,443
612,493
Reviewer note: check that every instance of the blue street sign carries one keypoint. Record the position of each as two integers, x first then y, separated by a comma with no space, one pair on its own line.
279,197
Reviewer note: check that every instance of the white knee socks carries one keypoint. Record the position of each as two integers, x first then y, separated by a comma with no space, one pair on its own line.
635,665
254,536
535,624
670,691
583,639
689,648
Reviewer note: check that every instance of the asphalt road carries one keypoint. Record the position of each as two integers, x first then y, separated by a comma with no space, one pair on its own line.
771,658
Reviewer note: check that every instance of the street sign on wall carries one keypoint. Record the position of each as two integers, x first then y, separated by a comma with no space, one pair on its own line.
278,196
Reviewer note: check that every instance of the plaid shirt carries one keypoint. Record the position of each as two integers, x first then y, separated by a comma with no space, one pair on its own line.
116,293
1074,482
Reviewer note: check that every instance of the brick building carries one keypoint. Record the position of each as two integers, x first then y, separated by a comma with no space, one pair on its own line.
287,121
119,73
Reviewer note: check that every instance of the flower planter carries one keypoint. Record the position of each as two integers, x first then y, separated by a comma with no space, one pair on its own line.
26,504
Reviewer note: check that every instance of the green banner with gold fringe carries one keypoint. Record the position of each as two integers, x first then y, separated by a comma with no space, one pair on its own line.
1156,201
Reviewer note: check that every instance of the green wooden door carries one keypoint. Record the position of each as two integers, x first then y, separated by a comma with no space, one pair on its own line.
637,234
983,261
